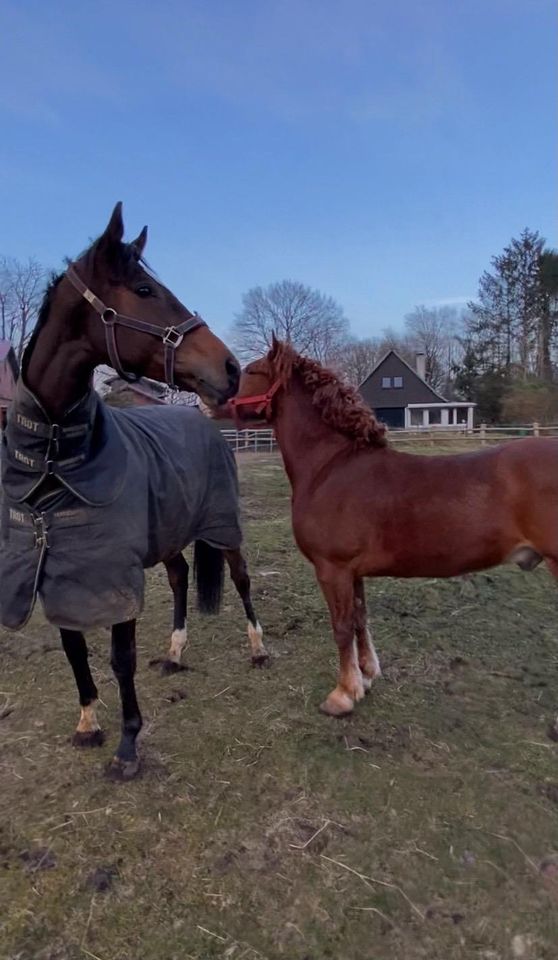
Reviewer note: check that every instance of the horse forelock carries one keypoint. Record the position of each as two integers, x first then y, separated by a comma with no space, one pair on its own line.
340,405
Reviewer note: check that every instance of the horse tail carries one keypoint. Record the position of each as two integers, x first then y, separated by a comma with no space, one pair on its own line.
209,569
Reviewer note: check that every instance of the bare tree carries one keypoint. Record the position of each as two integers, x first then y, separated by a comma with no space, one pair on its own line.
357,358
21,289
309,320
434,331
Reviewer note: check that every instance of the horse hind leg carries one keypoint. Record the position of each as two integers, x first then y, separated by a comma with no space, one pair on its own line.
367,656
177,573
241,579
125,763
88,732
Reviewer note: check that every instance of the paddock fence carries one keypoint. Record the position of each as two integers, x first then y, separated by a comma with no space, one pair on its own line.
263,441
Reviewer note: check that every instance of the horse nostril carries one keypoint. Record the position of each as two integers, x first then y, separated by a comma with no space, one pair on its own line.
233,371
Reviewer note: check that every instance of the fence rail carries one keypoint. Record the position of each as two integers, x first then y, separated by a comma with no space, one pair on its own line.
263,441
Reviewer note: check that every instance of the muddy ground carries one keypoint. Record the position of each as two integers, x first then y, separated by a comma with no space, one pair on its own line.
423,826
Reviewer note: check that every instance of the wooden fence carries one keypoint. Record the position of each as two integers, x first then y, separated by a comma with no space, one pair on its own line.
263,441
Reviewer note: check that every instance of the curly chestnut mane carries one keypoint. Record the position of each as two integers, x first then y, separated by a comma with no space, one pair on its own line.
340,406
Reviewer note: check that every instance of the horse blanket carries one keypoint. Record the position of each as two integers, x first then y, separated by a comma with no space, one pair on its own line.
135,486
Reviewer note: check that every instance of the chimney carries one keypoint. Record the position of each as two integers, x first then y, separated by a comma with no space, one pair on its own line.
420,361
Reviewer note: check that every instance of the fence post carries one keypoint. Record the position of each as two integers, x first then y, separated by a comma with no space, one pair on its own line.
535,429
483,434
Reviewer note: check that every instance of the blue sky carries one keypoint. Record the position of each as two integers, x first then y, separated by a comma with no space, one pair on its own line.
379,150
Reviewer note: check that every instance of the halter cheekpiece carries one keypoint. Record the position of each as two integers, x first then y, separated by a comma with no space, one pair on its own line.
172,336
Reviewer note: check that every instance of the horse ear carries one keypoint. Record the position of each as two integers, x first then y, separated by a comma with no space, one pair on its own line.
115,228
139,243
274,342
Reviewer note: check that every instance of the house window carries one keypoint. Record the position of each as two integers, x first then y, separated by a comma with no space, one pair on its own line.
398,382
416,418
434,417
386,383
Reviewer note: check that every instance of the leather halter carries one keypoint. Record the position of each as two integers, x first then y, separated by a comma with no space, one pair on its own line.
262,402
172,336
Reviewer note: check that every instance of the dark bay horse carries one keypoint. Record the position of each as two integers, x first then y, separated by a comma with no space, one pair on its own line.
91,495
361,509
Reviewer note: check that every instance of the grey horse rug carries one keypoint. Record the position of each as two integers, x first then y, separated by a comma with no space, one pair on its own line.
135,487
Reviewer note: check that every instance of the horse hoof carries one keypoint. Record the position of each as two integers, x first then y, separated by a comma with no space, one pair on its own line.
366,683
261,660
88,738
338,704
122,770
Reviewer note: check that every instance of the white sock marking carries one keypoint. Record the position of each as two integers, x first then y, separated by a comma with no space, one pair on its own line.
88,722
255,635
179,639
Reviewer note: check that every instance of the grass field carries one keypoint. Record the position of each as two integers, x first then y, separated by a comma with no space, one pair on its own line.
423,826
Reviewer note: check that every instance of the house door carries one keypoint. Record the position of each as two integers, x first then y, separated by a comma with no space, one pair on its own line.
391,416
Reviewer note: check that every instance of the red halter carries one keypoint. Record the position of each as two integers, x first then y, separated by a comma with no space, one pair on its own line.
262,402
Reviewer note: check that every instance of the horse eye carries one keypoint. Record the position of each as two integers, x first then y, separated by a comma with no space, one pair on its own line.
144,290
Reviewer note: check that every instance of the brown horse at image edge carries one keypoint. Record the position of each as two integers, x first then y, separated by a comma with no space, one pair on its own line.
362,509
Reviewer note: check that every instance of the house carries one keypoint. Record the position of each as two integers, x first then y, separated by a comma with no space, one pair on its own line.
9,372
400,397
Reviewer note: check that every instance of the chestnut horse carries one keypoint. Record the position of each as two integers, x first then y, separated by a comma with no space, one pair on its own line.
361,509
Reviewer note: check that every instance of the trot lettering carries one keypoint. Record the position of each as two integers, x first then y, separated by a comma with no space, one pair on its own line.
27,423
23,458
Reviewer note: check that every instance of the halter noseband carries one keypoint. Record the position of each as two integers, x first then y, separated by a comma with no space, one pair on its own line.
172,337
262,402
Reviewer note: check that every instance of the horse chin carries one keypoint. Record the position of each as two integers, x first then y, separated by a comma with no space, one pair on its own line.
221,411
213,397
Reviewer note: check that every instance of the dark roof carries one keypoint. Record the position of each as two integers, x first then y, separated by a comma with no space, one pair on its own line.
414,390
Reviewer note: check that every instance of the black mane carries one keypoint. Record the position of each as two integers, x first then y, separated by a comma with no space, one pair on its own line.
42,317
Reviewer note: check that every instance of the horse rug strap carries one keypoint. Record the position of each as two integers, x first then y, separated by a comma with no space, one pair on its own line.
126,489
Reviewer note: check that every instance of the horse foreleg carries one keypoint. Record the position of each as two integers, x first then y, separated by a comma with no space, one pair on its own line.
125,764
241,580
367,656
338,589
177,573
88,732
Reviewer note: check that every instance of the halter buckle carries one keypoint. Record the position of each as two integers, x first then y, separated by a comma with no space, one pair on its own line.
108,317
172,338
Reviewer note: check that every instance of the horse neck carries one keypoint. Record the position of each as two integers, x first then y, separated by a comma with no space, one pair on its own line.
61,365
305,441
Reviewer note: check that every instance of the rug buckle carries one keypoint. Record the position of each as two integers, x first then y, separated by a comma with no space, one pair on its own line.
41,539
